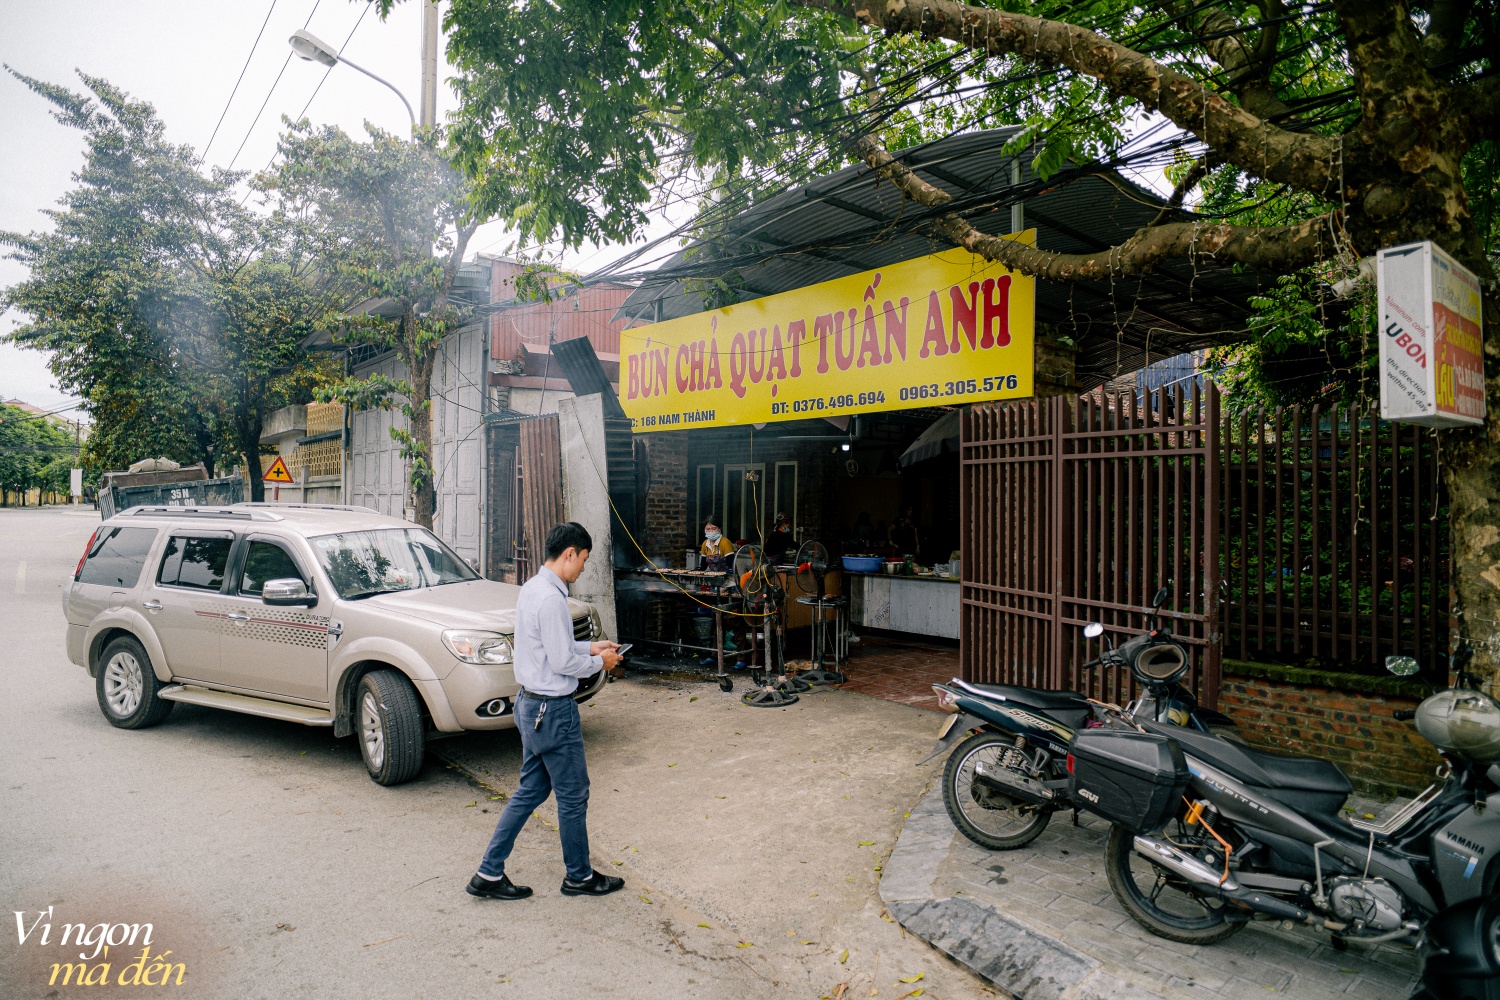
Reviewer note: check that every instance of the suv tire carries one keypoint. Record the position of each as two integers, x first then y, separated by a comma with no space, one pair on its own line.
388,716
127,688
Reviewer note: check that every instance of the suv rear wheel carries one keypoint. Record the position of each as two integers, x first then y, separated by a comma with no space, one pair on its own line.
391,736
127,686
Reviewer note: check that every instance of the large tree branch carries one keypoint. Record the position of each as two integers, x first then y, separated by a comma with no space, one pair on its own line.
1282,248
1223,38
1305,161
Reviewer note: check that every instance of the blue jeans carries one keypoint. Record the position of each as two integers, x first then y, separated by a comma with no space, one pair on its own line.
551,762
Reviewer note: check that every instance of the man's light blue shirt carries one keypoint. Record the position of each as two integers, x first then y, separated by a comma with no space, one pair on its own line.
548,660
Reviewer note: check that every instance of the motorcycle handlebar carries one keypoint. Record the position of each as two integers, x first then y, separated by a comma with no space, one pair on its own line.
1404,714
1092,663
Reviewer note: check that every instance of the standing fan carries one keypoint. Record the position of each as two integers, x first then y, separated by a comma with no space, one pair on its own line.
813,564
763,595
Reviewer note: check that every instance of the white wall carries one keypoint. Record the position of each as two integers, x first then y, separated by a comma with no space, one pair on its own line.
586,499
377,475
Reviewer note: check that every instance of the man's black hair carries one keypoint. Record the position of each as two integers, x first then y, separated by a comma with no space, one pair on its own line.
568,535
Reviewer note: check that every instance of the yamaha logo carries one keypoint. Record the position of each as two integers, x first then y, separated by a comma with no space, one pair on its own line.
1476,848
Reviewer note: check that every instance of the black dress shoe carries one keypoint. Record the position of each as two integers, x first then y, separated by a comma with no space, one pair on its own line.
500,888
594,885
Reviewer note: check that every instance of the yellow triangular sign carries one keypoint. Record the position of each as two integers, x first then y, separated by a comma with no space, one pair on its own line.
277,473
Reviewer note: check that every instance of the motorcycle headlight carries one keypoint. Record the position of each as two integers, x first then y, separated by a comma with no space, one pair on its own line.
478,647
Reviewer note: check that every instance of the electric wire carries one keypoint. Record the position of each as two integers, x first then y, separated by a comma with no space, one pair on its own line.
285,62
238,81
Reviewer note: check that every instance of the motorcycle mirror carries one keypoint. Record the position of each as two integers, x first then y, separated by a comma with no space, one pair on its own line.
1402,666
1161,597
1093,630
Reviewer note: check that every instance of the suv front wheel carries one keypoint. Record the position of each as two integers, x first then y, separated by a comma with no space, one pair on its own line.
129,693
391,736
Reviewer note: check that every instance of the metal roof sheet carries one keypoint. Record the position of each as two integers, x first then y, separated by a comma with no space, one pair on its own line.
853,221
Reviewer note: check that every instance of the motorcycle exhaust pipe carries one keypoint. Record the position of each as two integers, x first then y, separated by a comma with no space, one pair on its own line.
1012,784
1169,857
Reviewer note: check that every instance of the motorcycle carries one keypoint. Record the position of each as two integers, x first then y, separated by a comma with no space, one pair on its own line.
1461,953
1003,783
1210,834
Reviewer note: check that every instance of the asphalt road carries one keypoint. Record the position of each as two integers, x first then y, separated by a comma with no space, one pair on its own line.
261,854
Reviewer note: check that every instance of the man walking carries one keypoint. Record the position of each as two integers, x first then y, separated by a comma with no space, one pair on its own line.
548,664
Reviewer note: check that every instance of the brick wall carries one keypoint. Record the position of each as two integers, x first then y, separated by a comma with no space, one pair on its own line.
1345,718
667,496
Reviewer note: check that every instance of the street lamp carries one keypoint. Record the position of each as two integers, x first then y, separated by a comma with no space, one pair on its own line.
312,48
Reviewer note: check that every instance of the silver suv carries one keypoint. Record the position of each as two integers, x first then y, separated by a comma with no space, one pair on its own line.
324,615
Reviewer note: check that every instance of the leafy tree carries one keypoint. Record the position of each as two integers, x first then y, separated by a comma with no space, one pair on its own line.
35,453
1319,132
173,311
391,216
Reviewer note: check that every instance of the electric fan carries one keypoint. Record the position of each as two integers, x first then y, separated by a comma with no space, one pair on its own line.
813,564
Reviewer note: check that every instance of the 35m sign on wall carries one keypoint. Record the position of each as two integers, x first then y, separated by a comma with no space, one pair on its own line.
948,328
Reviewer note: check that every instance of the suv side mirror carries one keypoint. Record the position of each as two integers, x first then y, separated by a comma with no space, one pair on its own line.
286,593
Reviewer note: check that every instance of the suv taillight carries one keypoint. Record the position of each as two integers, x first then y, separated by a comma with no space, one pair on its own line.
84,558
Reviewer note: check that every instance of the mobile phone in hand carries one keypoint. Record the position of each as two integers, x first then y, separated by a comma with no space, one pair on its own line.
623,650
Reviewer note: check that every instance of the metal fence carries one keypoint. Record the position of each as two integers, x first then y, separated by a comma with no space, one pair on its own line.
1289,535
1335,539
525,494
1077,509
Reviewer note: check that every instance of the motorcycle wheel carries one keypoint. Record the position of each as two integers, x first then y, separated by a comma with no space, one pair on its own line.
989,818
1159,900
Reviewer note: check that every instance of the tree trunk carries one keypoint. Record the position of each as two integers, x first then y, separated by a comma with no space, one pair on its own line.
249,428
423,487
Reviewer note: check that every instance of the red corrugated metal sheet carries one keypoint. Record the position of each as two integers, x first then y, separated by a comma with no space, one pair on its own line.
587,312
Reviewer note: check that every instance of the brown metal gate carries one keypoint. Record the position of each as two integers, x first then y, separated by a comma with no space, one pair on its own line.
525,494
1077,509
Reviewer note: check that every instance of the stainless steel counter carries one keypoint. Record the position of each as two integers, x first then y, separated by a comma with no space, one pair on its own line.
921,605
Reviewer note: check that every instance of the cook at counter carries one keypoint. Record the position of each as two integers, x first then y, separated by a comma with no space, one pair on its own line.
716,549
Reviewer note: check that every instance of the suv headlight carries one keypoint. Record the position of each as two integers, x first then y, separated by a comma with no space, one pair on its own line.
478,647
596,626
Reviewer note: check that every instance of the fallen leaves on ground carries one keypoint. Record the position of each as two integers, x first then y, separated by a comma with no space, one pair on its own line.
867,843
844,956
913,979
644,899
745,944
471,805
705,925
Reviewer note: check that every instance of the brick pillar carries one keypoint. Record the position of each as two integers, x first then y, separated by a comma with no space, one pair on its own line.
667,529
1056,363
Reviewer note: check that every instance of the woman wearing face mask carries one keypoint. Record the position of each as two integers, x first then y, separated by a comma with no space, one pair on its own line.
716,548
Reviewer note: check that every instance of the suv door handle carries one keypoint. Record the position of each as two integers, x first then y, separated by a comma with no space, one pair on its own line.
152,605
236,616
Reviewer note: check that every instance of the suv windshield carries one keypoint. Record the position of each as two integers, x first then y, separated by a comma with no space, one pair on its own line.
362,563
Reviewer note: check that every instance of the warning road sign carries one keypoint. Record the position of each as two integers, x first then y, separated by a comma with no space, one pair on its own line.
278,473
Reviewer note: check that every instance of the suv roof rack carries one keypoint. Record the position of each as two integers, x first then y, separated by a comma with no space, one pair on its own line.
205,512
353,508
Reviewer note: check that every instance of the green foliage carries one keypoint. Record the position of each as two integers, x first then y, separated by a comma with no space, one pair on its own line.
390,219
173,311
1302,346
34,452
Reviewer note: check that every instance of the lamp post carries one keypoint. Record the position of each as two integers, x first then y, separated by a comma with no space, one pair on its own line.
312,48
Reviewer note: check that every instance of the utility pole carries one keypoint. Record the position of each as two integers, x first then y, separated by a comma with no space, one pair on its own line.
430,31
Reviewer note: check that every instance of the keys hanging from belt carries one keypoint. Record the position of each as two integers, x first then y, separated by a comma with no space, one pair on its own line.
539,713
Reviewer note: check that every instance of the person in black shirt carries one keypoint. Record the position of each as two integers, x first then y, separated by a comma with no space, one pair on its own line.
780,540
902,534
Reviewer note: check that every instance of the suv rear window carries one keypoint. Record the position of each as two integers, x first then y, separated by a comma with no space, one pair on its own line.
117,557
194,561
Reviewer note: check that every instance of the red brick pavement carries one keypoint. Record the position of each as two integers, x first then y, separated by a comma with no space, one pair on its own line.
899,671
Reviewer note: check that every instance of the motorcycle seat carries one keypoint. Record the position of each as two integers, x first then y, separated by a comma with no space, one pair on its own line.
1033,697
1260,767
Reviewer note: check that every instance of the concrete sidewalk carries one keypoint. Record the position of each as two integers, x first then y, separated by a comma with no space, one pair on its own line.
753,837
1042,923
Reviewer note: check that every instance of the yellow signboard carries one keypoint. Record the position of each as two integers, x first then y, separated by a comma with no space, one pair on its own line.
948,328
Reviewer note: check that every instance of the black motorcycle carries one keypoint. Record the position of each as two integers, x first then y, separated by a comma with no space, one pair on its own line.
1461,953
1209,834
1004,782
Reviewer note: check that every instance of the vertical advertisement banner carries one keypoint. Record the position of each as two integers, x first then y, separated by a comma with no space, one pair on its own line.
1431,338
948,328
